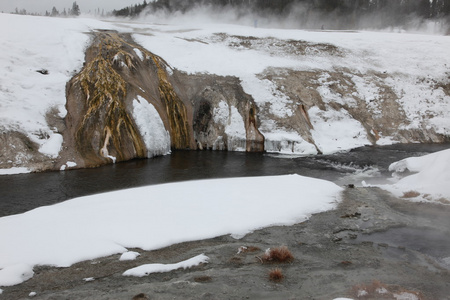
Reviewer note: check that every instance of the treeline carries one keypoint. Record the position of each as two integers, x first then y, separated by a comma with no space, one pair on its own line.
73,11
396,11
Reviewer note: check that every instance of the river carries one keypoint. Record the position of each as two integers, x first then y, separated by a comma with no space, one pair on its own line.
23,192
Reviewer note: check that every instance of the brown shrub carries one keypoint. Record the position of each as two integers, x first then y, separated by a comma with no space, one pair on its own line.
410,194
140,296
276,275
202,279
279,255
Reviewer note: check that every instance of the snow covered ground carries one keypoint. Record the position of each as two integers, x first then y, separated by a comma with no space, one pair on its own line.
99,225
154,217
57,45
427,177
32,44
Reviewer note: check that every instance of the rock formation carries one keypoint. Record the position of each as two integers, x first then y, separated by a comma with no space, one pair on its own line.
198,112
128,103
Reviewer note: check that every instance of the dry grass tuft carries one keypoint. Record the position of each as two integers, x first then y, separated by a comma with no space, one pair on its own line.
202,278
140,296
279,255
276,275
410,194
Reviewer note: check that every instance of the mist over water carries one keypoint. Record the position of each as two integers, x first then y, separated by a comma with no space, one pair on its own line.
298,16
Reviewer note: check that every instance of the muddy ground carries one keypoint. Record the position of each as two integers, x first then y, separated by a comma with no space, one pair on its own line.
372,241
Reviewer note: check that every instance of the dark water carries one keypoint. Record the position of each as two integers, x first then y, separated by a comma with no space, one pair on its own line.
23,192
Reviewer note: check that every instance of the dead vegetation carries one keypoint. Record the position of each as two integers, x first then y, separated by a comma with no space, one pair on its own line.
410,194
276,275
278,255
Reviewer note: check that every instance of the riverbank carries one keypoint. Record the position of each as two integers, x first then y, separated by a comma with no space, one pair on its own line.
334,256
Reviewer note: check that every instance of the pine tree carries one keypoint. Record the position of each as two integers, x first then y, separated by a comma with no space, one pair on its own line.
55,12
75,11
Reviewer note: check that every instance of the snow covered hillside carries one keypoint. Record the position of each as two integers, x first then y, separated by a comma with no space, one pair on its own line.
314,91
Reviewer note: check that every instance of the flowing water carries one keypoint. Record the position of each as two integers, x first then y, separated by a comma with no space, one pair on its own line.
23,192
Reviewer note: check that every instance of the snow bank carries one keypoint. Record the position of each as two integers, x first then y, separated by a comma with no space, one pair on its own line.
15,170
155,216
147,269
430,178
130,255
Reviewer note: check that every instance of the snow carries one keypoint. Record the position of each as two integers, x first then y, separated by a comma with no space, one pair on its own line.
36,43
130,255
147,269
104,224
430,176
406,296
151,127
15,274
413,62
87,279
335,130
139,53
32,294
15,170
52,145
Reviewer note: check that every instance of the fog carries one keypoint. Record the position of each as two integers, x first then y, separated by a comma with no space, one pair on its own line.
298,17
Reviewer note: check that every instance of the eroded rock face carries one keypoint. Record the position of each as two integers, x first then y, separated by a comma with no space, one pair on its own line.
18,150
225,117
101,99
198,111
129,103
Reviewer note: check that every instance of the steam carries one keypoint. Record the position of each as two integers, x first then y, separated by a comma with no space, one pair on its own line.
297,16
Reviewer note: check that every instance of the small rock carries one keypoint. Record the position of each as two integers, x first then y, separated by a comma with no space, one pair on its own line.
43,71
352,236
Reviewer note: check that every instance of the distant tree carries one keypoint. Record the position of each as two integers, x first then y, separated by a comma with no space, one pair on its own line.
75,11
55,12
424,8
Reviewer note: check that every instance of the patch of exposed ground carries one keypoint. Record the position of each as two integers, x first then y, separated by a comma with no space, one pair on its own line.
367,98
334,255
275,46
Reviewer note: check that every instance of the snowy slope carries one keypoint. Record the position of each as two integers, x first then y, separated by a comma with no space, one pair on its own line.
28,45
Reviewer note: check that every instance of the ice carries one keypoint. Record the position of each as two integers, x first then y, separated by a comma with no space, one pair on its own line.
151,128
